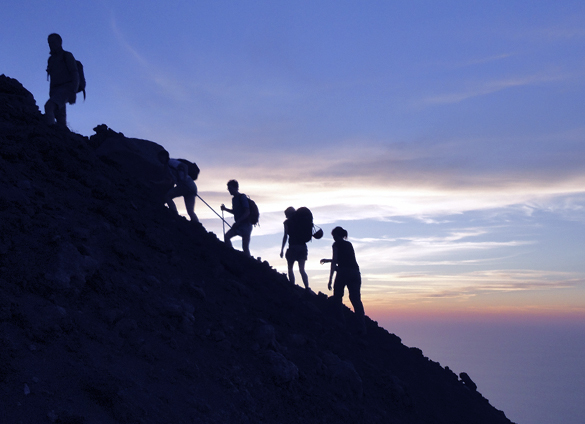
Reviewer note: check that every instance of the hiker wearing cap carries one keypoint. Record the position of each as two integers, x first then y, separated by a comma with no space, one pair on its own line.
64,75
241,210
177,174
297,248
345,266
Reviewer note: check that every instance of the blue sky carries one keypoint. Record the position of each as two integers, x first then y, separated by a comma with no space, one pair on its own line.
446,137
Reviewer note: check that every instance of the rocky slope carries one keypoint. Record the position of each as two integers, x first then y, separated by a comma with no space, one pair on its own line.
112,310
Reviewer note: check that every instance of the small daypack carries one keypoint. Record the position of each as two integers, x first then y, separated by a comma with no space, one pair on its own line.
193,168
81,86
254,217
82,83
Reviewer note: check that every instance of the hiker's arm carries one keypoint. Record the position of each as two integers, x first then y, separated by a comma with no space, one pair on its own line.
223,208
284,240
333,267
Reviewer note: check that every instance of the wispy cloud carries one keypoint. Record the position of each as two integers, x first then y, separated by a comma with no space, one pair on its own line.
562,33
474,61
168,86
488,87
461,247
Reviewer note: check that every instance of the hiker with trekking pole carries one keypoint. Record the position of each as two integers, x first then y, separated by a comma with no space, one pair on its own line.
245,214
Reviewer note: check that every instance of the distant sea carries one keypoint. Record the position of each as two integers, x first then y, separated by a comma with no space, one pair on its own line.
534,372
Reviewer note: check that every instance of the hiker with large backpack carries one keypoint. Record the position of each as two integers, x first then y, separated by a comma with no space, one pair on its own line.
298,229
182,182
63,71
245,213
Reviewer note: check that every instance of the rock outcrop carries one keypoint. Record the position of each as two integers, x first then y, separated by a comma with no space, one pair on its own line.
114,310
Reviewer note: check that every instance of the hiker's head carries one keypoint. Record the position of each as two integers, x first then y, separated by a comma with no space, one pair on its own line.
289,212
163,157
339,233
55,42
233,186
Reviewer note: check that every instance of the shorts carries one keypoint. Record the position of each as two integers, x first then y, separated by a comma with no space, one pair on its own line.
297,252
184,189
244,229
61,95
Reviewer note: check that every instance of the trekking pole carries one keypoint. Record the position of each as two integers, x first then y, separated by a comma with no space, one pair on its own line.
223,224
220,216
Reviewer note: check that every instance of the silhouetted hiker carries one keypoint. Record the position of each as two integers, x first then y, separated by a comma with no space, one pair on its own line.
241,210
64,75
297,248
348,274
177,174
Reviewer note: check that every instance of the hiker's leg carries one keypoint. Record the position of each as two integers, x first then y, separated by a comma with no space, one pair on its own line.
338,286
228,236
338,289
50,107
246,242
171,194
55,106
190,206
291,274
355,298
61,115
303,273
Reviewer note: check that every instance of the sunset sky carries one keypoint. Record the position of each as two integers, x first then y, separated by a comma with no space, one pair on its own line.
446,137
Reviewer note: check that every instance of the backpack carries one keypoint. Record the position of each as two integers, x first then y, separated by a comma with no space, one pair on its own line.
82,83
302,225
81,78
193,168
254,217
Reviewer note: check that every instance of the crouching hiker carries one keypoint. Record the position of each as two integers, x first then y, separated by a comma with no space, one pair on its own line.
348,274
177,174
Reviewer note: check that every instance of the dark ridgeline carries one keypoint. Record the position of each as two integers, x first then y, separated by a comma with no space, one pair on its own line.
113,309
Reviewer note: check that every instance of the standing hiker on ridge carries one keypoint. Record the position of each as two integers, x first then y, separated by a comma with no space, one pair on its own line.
241,210
177,174
345,265
297,247
64,75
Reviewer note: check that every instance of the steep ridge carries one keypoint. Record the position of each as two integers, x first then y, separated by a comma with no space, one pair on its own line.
112,310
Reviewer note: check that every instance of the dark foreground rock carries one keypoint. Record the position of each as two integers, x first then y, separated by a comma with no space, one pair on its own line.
112,310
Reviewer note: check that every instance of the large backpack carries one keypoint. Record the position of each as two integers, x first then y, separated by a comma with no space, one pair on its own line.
254,217
193,168
302,225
